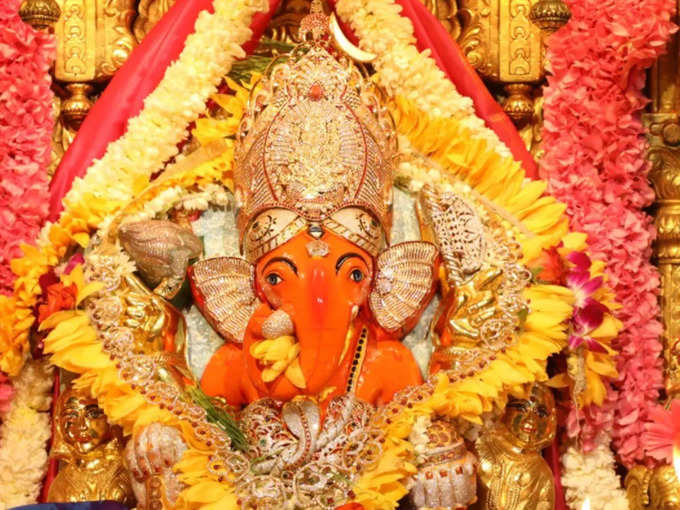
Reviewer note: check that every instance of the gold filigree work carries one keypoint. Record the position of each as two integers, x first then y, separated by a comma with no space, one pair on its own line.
316,145
149,12
500,41
162,251
404,283
228,300
484,281
40,14
94,38
653,489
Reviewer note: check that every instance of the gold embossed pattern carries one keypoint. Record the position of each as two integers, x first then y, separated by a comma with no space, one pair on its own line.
226,288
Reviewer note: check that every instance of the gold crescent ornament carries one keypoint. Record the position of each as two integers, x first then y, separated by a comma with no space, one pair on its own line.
345,45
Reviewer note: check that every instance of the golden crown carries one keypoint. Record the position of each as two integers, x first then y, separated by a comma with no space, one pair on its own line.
315,151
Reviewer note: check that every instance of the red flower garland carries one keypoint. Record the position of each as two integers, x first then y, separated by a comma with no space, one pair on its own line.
595,162
25,133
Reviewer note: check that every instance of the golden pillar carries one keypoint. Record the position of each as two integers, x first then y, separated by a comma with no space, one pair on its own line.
40,14
504,42
94,38
659,488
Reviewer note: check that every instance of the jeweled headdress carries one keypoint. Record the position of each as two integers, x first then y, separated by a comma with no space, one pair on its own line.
314,151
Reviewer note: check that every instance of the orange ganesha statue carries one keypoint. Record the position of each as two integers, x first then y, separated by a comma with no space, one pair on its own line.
314,313
313,191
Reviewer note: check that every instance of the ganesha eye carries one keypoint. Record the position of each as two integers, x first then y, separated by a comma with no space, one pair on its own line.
273,279
356,275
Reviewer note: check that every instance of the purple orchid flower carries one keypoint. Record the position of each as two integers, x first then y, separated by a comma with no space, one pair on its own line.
580,260
579,280
585,320
588,312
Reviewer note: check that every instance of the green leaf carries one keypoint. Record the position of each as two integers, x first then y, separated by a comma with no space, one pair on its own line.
221,418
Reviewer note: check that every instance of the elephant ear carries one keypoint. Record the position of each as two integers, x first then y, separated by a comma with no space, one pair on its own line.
223,290
404,284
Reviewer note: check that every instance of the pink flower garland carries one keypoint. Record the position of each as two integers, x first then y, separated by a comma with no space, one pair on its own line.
595,163
25,133
6,393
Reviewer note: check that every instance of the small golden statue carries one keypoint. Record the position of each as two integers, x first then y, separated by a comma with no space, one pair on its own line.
91,451
513,474
653,489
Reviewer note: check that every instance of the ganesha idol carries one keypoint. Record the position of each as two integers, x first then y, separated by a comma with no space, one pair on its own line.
313,313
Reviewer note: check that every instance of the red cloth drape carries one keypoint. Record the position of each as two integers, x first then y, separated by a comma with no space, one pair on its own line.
552,457
136,79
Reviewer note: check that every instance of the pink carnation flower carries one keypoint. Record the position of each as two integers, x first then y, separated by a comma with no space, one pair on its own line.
6,393
595,163
25,134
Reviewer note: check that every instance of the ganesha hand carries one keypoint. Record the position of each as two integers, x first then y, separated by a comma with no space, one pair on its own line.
446,477
151,315
150,456
275,348
450,485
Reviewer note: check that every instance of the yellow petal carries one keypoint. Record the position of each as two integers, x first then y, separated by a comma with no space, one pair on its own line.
294,375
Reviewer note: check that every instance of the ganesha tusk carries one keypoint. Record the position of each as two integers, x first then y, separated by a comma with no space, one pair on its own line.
345,45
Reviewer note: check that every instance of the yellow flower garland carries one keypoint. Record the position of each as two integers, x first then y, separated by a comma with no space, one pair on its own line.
541,225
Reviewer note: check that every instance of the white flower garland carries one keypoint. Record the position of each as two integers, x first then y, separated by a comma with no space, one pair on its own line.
403,70
177,196
592,476
151,138
24,433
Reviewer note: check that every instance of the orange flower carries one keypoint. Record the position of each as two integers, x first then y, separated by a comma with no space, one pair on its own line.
549,267
59,297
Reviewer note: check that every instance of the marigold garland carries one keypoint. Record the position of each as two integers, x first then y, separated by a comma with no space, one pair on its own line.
595,163
25,133
541,226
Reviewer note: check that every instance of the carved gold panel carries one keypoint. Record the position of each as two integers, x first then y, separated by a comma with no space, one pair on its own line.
658,488
446,11
663,126
148,14
664,153
500,41
284,24
94,38
76,37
